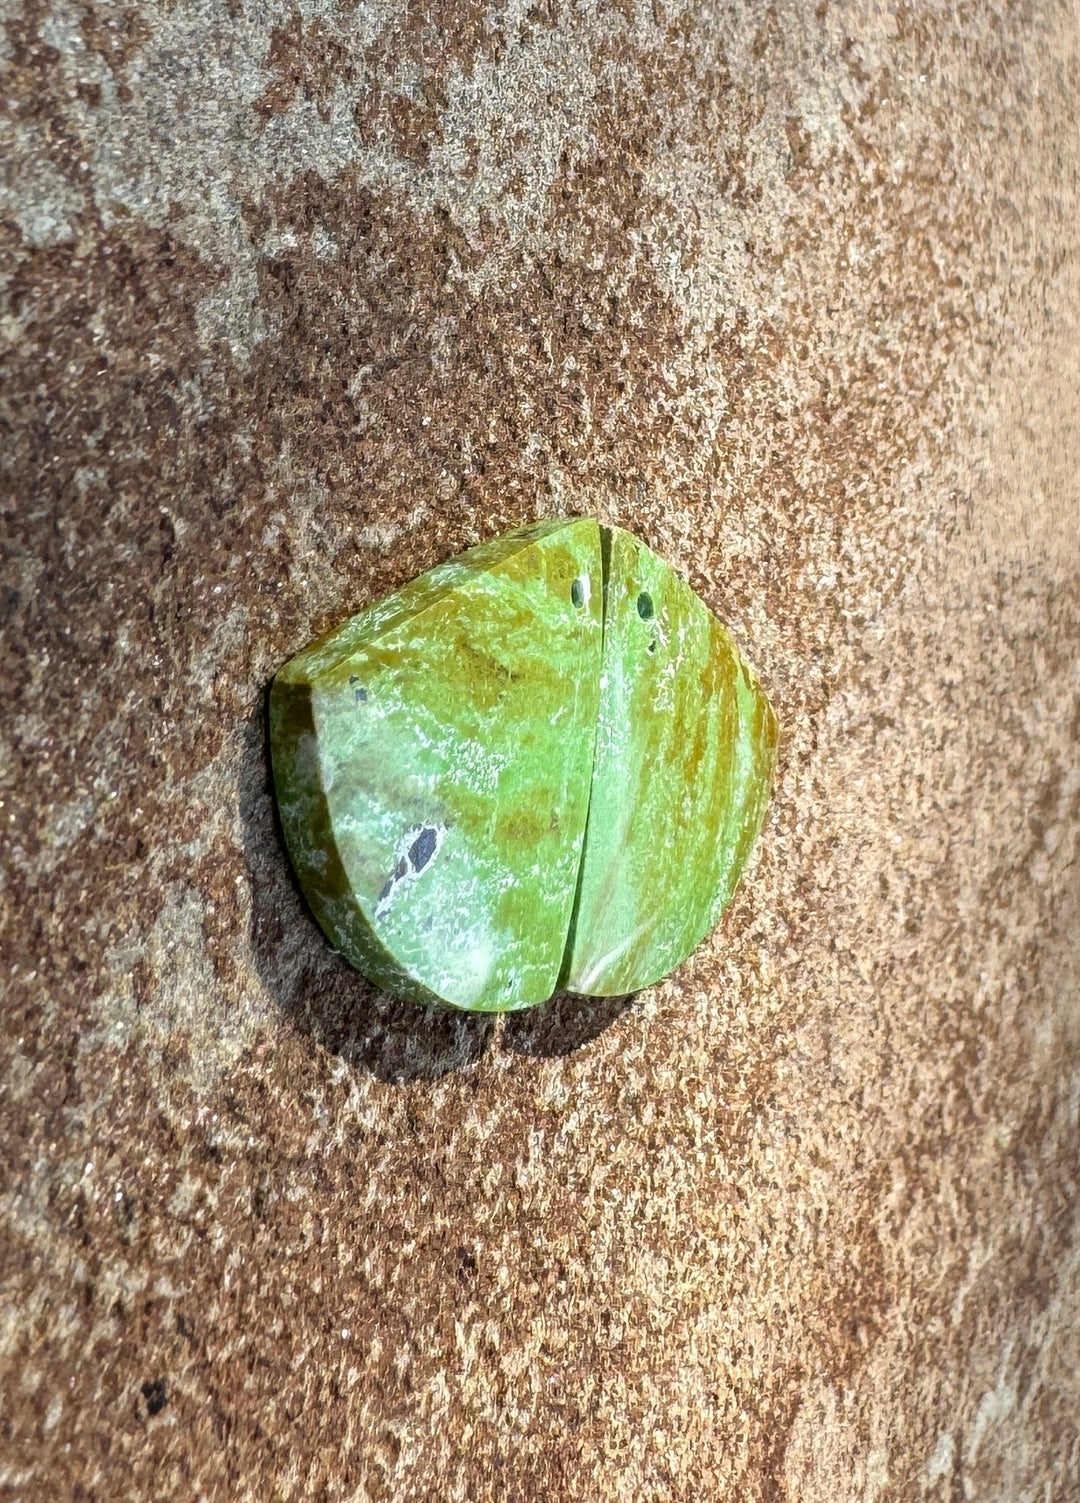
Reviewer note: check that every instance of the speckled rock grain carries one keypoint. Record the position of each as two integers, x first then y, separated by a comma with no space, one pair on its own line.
301,300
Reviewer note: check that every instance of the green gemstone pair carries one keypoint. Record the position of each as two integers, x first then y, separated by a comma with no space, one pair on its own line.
541,764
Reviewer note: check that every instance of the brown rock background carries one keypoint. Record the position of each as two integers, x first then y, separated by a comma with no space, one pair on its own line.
299,300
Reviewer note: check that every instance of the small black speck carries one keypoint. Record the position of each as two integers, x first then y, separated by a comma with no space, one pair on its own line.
652,645
422,848
155,1395
360,694
645,606
577,593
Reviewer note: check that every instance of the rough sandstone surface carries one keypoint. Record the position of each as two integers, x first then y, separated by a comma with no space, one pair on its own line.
299,300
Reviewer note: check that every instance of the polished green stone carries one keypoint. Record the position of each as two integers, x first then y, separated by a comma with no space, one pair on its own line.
432,760
685,747
543,763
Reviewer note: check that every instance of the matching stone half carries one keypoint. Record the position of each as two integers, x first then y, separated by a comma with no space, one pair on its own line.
543,763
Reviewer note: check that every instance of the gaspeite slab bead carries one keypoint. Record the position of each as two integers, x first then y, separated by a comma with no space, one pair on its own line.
542,763
685,747
432,759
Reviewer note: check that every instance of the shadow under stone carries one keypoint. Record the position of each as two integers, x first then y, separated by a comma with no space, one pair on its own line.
312,984
562,1024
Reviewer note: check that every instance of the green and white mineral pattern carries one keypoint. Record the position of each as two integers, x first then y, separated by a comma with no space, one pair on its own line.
541,764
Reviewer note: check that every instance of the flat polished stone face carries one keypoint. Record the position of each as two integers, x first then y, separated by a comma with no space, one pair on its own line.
543,763
685,749
432,759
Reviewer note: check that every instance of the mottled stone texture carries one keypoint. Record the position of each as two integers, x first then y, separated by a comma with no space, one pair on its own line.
300,301
684,763
432,759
